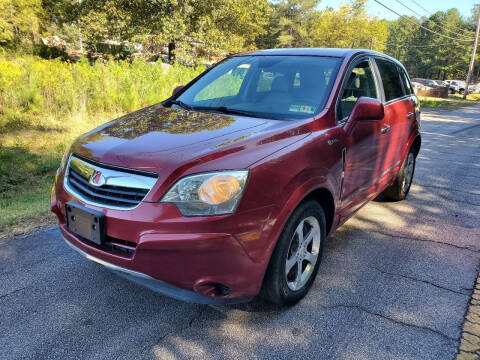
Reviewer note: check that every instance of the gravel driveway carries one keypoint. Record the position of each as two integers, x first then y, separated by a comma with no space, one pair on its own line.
395,283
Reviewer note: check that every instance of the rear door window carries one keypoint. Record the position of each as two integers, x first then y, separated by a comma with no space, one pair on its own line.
406,83
392,84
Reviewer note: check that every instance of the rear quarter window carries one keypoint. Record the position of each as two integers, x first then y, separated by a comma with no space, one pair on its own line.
392,84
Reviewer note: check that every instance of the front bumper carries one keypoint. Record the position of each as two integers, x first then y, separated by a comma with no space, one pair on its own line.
157,285
185,258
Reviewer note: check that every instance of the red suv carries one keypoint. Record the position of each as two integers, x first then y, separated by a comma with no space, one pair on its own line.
229,188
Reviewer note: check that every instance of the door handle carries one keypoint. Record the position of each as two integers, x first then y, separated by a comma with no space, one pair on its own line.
385,129
410,115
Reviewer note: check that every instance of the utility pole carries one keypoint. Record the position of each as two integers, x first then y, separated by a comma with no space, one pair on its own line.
472,60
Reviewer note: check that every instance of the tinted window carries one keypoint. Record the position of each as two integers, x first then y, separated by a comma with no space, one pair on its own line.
360,82
276,87
391,79
406,84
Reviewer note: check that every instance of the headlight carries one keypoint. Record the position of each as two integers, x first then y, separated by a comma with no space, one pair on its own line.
214,193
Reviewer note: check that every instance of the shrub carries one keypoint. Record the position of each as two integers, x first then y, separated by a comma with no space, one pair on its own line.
36,92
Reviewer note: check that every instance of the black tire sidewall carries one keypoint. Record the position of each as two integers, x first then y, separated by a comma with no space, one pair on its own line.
405,193
275,284
395,191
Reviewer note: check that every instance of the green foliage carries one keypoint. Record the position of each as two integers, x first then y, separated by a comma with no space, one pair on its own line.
298,23
220,26
18,19
294,19
428,55
35,91
341,28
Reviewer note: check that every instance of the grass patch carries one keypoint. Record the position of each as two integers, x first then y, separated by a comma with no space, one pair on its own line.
45,105
28,161
29,210
454,101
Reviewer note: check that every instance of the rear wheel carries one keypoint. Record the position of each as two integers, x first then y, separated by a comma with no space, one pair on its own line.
401,186
296,258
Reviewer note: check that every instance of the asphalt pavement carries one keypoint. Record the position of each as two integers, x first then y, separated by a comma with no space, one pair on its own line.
395,283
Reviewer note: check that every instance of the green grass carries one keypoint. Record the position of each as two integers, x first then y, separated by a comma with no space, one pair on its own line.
45,105
452,102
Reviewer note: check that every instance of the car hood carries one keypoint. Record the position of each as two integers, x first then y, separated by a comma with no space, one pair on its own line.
164,140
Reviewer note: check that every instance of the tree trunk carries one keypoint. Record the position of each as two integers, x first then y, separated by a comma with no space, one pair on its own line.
171,51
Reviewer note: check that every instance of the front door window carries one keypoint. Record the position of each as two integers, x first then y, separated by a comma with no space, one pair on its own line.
361,82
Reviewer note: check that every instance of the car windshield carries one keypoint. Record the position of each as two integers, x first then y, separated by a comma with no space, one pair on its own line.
274,87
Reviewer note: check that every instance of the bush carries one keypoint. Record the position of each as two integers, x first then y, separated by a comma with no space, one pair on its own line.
36,92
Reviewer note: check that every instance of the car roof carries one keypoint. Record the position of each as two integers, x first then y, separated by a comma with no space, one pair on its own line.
333,52
330,52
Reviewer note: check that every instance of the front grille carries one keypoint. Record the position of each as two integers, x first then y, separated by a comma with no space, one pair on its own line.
120,188
111,195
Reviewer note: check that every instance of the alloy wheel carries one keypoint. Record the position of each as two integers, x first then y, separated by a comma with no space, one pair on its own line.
407,179
303,253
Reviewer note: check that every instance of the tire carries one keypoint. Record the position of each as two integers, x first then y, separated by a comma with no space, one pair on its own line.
287,288
401,185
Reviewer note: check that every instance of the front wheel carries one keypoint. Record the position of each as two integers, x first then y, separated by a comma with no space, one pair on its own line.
401,185
296,258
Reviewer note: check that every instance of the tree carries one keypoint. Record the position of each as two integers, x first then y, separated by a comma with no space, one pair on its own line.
19,19
400,33
290,23
430,55
341,28
218,27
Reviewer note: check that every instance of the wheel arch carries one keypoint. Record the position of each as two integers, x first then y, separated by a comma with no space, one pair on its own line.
325,198
417,143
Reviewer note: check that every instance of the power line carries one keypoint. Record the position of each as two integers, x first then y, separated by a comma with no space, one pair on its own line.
431,13
421,7
418,24
414,46
434,23
413,11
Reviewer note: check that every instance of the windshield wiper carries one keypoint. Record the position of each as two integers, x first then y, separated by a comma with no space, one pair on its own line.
181,104
227,110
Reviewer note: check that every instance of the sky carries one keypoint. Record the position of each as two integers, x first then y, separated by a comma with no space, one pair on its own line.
464,6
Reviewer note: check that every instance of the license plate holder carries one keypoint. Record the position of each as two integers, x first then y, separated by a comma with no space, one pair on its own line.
87,223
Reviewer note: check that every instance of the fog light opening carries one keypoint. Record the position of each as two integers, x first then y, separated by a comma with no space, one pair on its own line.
212,289
223,289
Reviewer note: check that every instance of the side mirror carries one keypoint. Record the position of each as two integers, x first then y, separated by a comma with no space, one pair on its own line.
177,89
368,109
365,109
